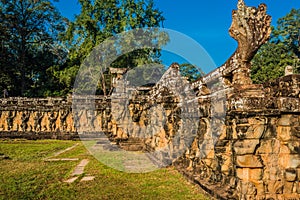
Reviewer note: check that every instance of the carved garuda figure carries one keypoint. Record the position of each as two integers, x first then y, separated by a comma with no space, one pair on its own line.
251,28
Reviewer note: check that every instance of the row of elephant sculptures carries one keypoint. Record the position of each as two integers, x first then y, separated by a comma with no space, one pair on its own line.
61,120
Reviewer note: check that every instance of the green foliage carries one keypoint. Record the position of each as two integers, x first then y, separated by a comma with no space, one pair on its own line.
100,20
283,49
34,42
29,32
288,31
190,71
270,62
145,75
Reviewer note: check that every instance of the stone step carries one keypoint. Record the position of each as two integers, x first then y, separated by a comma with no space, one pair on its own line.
132,144
103,141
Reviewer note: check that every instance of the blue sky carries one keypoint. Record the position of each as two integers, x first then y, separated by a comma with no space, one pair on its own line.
207,22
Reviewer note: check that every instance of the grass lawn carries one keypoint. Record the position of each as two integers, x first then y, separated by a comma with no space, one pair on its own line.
26,175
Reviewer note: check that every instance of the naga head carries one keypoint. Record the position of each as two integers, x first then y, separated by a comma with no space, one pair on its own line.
251,28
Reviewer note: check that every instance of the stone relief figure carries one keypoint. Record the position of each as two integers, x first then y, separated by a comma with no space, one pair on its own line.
63,122
10,119
52,119
25,117
77,116
204,171
91,116
289,70
99,118
38,120
107,117
135,111
193,154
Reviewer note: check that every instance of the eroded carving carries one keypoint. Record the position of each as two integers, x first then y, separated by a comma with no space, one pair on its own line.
25,118
52,120
251,28
289,70
63,116
10,119
38,120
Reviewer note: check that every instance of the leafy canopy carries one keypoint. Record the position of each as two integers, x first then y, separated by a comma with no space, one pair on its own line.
191,72
100,20
29,32
282,50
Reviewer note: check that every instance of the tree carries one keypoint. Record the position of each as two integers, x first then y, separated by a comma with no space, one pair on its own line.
288,31
190,71
145,75
283,49
29,40
270,62
99,20
5,58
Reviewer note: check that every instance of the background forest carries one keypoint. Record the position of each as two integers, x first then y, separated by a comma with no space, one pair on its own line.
41,51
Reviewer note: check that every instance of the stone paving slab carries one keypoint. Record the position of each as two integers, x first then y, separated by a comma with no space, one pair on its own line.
62,159
87,178
71,180
60,152
65,150
79,169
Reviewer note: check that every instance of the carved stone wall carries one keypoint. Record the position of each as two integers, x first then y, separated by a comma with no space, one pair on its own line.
49,118
235,139
247,139
256,155
251,152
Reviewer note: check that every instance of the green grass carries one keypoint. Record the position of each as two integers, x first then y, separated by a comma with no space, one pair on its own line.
27,176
